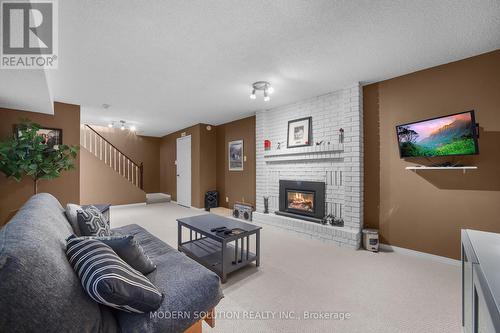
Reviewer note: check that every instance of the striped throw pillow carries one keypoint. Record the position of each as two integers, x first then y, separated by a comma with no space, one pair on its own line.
108,279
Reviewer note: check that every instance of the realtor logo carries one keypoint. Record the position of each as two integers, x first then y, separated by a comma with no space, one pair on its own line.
29,34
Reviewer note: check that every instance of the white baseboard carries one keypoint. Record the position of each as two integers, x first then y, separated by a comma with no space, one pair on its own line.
130,205
402,250
192,207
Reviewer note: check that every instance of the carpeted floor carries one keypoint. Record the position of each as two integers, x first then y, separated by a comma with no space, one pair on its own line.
381,292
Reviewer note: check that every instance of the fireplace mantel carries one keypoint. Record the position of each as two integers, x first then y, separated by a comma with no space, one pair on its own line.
320,152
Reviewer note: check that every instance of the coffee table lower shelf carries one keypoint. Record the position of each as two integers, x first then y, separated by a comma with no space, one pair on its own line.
209,253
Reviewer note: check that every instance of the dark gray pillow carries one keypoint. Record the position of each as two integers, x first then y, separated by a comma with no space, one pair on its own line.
109,280
129,249
92,223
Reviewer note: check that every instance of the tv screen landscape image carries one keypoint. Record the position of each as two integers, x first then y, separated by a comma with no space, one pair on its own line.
444,136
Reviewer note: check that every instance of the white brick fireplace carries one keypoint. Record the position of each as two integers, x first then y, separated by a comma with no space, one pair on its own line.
338,164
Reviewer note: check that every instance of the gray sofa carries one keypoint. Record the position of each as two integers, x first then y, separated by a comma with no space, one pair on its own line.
39,291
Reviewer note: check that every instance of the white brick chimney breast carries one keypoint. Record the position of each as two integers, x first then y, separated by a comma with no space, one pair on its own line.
338,164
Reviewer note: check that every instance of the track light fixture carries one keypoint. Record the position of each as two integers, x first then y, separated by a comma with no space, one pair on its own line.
122,125
263,86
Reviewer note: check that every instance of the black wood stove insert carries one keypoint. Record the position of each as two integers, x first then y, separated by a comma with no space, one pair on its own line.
302,199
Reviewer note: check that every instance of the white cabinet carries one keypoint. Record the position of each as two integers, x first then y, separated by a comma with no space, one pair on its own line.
480,282
467,292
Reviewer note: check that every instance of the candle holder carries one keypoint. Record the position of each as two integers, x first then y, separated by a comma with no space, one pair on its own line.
266,205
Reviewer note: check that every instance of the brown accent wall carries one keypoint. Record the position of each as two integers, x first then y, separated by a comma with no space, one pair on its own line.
236,185
425,211
209,169
139,148
101,184
65,188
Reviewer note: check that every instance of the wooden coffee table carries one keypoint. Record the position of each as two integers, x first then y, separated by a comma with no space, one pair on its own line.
220,253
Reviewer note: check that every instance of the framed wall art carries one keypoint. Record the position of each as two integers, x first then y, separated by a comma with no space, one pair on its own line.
52,137
235,155
299,132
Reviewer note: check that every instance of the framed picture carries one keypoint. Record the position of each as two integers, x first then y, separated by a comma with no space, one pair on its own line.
299,132
52,137
236,155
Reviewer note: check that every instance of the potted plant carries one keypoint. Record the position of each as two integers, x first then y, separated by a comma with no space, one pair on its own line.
27,154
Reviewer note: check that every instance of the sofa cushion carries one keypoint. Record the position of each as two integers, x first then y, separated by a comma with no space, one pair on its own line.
128,249
188,287
71,214
38,287
108,279
91,222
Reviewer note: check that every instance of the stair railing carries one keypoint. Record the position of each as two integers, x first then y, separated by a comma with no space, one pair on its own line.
113,157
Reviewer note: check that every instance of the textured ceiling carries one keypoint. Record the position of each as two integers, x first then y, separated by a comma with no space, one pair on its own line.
25,90
164,65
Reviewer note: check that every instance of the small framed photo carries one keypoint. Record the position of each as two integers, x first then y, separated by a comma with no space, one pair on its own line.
235,155
52,137
299,132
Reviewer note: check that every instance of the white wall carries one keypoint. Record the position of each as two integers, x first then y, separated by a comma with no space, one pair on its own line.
330,112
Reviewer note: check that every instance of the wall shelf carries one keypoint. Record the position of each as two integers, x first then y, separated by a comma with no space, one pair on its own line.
321,152
305,150
463,168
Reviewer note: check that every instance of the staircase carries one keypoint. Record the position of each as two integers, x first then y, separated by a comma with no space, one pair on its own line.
110,176
115,159
153,198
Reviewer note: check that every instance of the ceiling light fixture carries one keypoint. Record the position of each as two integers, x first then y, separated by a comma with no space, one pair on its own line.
266,96
122,125
263,86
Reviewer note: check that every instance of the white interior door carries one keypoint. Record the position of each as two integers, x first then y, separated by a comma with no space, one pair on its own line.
184,171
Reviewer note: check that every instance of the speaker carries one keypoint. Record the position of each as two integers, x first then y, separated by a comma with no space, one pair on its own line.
211,200
243,211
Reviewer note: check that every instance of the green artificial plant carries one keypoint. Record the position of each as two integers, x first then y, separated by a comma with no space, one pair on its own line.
26,154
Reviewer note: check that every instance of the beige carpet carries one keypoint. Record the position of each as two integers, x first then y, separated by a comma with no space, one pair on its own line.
382,292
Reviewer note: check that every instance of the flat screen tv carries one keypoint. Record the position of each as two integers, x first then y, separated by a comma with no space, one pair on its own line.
455,134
